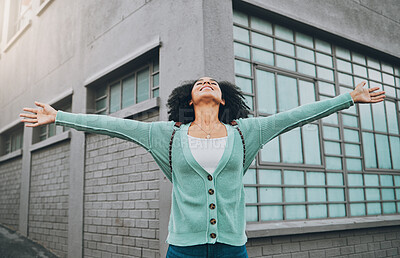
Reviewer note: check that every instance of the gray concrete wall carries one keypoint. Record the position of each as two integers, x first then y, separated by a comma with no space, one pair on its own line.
10,187
48,199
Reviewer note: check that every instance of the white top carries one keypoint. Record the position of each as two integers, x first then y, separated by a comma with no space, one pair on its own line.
207,152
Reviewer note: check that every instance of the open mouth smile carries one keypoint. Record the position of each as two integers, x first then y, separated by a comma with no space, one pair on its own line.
204,87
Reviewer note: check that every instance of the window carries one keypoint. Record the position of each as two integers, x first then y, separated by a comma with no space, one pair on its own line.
12,140
43,132
344,165
20,13
128,89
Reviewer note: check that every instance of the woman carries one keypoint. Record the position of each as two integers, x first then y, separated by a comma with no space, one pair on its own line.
207,157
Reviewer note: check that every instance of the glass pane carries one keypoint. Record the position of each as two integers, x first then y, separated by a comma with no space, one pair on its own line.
284,47
332,148
128,91
317,211
331,119
291,146
395,151
333,163
156,65
374,75
242,68
386,180
283,32
270,194
390,91
315,178
156,80
305,53
393,124
295,195
306,68
272,212
261,56
249,101
262,40
373,63
335,194
382,147
251,213
374,208
312,153
345,79
250,194
371,180
351,135
241,50
326,88
307,92
388,79
323,46
142,85
357,209
365,116
389,207
241,34
285,62
356,194
331,133
397,181
270,151
304,40
324,59
372,194
295,211
324,73
115,97
101,91
337,210
245,84
287,93
360,70
355,179
343,53
334,178
316,194
52,132
352,150
350,120
240,18
293,177
259,24
353,164
359,58
250,177
369,150
270,177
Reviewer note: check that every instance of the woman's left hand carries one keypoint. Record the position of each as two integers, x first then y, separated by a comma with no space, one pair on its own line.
361,95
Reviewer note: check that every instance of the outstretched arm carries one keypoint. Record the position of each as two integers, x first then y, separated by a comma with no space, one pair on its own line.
127,129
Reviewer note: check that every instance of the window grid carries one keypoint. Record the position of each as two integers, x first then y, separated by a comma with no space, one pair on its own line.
49,130
12,141
103,94
337,129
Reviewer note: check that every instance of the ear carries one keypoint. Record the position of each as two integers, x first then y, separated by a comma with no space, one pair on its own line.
190,102
223,102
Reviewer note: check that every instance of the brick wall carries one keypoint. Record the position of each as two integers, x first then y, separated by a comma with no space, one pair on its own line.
357,243
10,187
48,200
121,214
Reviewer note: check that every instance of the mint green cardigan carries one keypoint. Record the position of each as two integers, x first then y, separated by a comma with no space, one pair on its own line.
194,205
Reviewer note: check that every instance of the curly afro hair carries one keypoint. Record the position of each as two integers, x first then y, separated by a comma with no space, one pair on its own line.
180,110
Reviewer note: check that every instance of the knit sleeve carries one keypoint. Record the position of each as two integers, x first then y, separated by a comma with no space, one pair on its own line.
277,124
132,130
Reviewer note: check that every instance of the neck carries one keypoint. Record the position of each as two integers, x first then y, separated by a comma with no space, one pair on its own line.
206,115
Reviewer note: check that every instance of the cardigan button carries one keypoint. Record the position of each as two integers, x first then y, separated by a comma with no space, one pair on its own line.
211,191
212,206
213,235
209,177
213,221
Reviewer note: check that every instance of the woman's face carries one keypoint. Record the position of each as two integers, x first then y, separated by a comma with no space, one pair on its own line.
206,89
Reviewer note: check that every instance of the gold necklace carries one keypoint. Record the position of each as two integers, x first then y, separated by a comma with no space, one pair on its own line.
208,134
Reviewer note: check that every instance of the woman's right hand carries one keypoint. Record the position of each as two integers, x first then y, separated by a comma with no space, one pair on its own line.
44,115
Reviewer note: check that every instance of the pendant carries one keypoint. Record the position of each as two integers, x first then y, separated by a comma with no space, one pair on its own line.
208,136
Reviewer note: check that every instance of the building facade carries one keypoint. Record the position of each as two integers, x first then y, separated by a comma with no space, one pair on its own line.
329,188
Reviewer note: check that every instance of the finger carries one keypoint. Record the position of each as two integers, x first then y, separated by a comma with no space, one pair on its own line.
361,84
377,93
40,104
31,110
376,100
32,125
373,89
29,120
27,115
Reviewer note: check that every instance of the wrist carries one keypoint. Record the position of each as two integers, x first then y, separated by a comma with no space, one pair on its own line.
353,96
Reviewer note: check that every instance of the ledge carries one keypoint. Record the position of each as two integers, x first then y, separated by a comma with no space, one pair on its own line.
137,108
313,226
11,155
50,141
43,7
17,36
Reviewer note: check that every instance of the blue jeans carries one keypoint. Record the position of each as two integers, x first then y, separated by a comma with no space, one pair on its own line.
217,250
